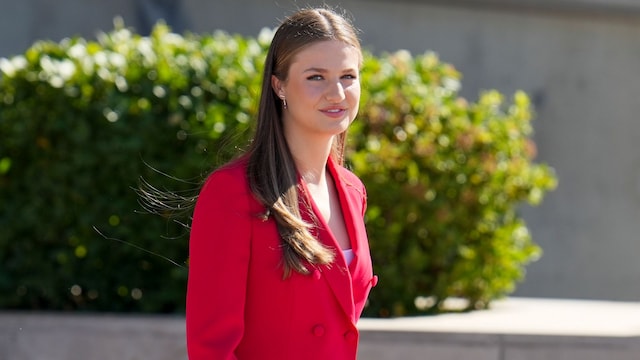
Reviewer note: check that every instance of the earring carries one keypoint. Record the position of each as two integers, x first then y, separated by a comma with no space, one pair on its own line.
284,102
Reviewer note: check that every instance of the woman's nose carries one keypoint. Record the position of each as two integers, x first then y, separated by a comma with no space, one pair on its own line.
335,92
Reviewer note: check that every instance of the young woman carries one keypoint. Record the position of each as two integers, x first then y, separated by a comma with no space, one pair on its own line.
279,264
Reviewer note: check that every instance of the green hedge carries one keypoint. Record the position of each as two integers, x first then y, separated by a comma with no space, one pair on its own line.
82,121
445,178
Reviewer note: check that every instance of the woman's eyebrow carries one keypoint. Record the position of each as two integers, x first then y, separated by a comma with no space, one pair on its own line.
315,69
322,70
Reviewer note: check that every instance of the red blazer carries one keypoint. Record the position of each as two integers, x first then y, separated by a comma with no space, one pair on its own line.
238,304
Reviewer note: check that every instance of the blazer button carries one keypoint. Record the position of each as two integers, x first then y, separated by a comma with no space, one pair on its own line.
316,274
374,281
318,330
350,336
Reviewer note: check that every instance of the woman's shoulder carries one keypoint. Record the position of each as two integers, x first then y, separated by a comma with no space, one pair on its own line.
347,175
232,174
350,179
236,167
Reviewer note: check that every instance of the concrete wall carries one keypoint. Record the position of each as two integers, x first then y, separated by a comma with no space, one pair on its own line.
578,59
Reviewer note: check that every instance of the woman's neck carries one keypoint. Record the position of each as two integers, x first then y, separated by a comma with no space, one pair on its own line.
311,159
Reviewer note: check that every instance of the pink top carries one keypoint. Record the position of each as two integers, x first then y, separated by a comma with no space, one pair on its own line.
348,255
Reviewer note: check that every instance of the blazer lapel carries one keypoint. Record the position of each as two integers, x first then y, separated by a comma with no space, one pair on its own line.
351,212
337,274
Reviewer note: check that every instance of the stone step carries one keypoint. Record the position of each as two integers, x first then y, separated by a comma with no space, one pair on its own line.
513,329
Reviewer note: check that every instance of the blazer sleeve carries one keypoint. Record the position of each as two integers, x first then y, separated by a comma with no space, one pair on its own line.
219,249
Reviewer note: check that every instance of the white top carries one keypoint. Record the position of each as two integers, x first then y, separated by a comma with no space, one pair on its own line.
348,255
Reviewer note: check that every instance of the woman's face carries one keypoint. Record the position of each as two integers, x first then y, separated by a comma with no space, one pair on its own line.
322,90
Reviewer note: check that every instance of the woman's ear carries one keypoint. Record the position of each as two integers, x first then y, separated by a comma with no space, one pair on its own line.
277,86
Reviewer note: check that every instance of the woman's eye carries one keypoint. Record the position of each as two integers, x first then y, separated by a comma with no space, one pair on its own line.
350,76
315,77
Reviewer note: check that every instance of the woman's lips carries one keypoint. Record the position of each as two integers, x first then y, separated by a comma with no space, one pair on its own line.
334,112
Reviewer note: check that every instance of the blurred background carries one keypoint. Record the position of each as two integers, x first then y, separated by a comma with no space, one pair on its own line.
577,59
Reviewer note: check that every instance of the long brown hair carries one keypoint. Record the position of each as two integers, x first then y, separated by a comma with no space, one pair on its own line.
271,171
